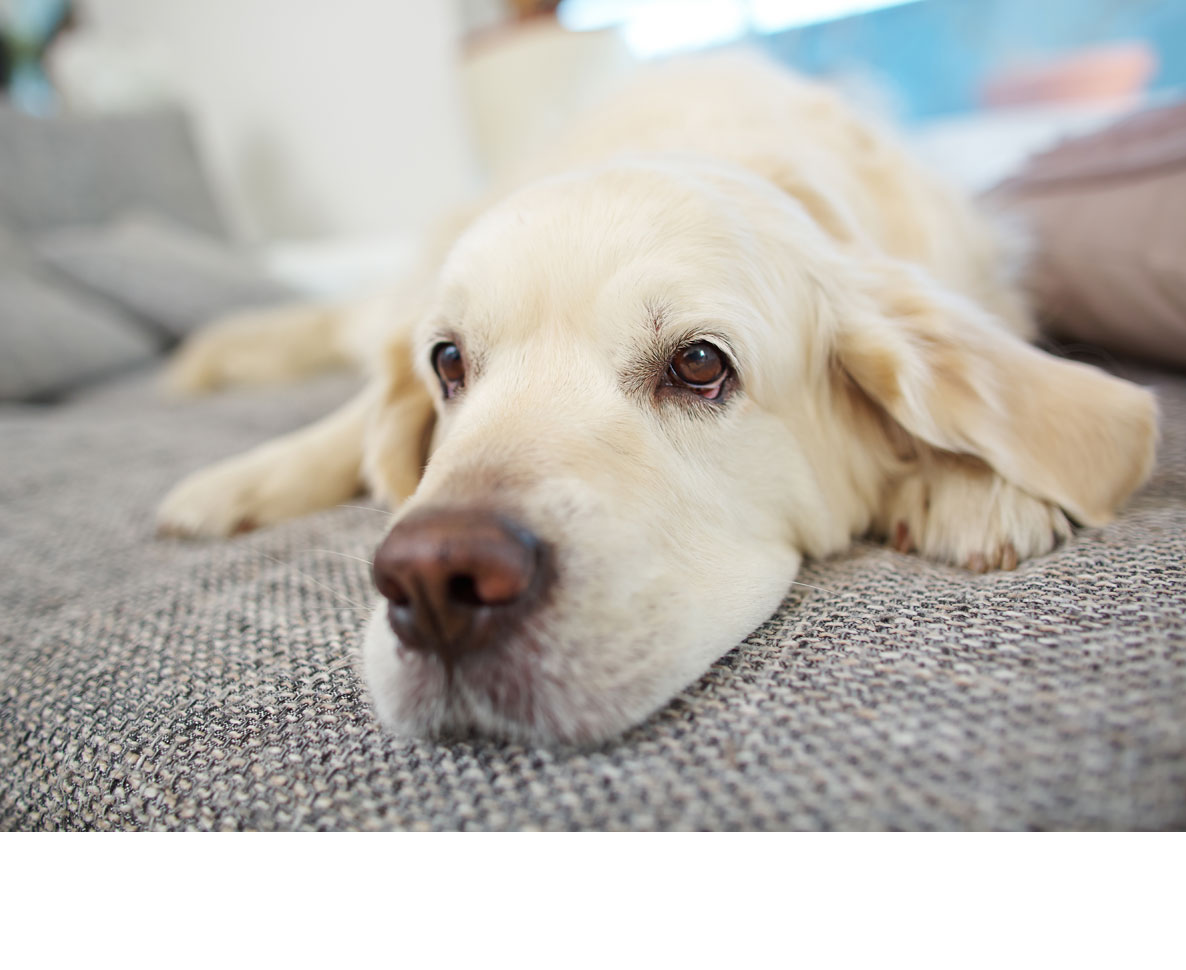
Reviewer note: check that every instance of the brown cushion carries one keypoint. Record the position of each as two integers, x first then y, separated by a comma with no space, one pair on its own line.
1107,213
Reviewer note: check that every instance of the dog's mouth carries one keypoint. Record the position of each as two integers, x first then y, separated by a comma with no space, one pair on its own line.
501,692
519,690
496,685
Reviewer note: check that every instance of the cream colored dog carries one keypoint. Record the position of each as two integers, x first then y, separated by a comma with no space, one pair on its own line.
726,325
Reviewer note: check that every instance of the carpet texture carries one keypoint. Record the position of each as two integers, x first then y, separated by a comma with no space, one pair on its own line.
151,684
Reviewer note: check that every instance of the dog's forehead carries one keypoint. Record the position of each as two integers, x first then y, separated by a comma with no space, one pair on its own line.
623,244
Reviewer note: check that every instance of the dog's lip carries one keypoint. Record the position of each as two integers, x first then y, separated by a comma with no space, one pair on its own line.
504,676
514,693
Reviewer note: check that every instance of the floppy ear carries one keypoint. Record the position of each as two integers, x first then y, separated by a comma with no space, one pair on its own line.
952,376
400,430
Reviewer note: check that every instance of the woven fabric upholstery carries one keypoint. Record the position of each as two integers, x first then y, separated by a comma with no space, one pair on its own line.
150,684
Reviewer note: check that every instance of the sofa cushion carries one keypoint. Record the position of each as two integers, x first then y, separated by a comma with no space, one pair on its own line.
170,276
72,171
1107,213
54,338
161,684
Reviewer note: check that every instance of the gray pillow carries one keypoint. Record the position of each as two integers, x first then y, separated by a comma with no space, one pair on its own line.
74,171
52,338
169,276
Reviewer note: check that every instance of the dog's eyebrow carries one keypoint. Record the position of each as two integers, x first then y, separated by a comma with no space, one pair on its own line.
441,331
442,327
673,332
658,314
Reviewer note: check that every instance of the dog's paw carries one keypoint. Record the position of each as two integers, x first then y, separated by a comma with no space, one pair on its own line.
193,369
295,474
235,350
969,516
222,500
264,346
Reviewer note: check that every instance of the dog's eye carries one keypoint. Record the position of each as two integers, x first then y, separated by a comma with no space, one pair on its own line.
700,367
450,367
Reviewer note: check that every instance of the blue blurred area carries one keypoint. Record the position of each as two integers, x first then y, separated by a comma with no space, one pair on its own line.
935,55
29,26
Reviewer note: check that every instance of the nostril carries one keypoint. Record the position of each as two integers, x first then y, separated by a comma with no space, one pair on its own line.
463,589
491,586
391,588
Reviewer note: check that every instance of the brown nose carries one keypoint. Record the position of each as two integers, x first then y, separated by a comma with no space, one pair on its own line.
457,578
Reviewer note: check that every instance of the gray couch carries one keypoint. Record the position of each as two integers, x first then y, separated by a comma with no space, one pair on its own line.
159,684
111,249
152,684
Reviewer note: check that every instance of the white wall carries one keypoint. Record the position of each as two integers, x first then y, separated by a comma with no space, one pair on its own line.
318,117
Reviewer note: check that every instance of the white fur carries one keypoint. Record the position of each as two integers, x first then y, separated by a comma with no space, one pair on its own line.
882,386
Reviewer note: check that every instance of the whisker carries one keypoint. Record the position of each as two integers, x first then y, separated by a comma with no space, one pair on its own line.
344,555
822,589
365,508
317,581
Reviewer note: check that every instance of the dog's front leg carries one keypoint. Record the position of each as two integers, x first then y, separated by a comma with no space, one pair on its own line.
310,469
261,346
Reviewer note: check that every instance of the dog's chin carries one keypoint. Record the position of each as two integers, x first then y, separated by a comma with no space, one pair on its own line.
510,693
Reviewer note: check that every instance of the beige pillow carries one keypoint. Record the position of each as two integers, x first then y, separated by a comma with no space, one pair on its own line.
1107,215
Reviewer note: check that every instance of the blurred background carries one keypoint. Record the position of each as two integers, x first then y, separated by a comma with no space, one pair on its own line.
322,137
367,117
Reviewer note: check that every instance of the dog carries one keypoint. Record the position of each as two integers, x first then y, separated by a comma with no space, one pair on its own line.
722,325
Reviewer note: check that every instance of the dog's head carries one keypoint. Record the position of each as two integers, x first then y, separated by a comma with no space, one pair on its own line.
649,389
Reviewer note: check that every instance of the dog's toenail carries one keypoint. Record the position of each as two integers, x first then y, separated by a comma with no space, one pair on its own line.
902,537
1009,557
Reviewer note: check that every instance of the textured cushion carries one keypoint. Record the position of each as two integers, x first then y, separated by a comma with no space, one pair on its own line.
73,171
1108,215
170,276
151,684
53,338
